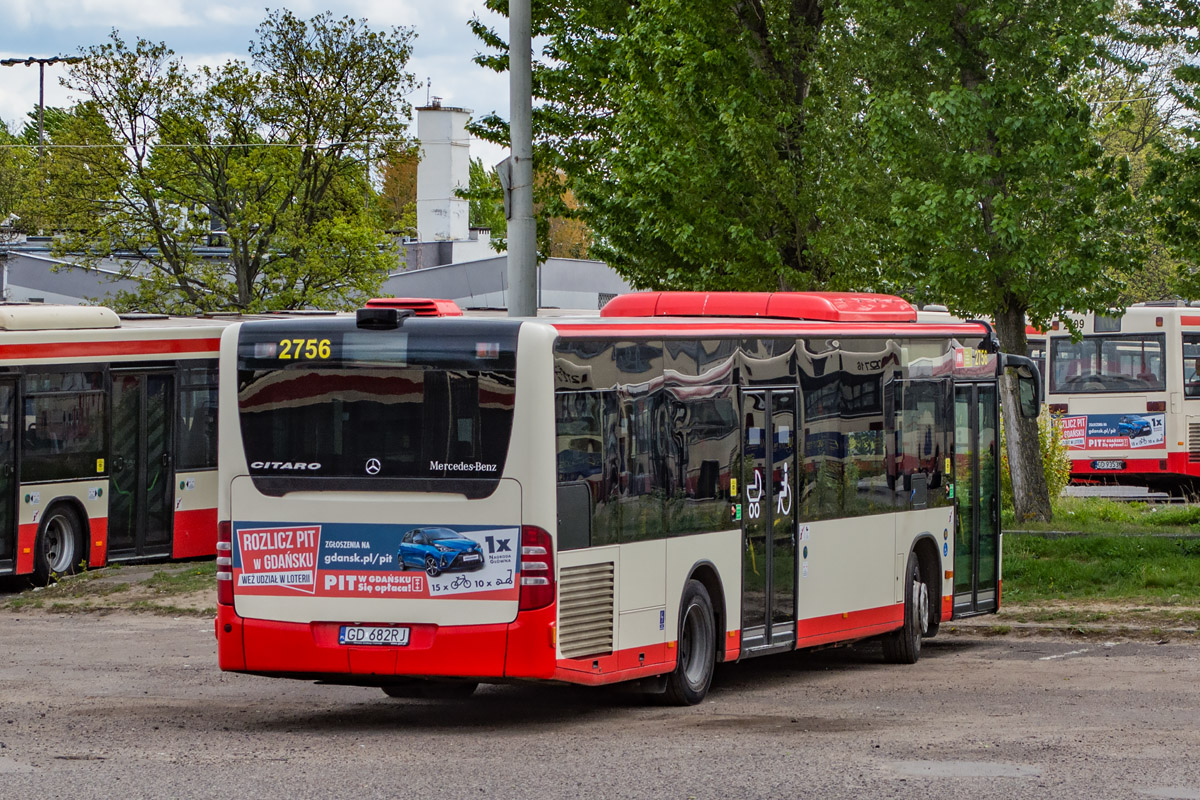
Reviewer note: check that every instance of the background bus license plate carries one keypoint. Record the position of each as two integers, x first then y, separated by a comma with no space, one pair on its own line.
1108,465
372,634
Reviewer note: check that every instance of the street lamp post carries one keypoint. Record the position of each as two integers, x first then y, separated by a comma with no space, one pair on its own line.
41,62
522,226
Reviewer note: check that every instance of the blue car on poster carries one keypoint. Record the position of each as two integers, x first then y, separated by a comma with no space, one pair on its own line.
438,550
1133,426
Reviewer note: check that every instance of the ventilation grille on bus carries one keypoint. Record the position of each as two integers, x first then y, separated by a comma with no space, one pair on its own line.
585,611
1193,442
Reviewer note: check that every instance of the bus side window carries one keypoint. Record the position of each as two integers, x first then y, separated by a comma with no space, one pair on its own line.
1191,365
198,418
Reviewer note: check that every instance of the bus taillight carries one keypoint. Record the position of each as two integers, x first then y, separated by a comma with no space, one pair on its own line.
224,563
537,569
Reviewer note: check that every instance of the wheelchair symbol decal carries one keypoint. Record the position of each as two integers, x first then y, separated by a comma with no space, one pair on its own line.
783,503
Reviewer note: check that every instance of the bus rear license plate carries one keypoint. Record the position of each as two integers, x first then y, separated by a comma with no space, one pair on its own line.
1098,465
372,634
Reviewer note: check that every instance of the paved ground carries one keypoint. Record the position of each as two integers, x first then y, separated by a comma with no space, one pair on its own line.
132,705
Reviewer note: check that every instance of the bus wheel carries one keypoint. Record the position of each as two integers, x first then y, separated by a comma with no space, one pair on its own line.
696,649
431,567
904,646
59,547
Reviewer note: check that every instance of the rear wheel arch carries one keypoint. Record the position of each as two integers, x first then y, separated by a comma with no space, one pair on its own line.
62,511
929,557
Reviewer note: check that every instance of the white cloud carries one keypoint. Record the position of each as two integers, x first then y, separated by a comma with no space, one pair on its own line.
32,15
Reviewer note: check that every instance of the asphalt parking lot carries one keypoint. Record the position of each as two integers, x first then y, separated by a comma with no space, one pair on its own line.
100,705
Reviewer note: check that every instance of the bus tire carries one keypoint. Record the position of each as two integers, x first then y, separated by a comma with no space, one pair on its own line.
59,546
904,646
696,647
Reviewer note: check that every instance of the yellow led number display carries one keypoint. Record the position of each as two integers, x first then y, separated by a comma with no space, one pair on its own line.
310,349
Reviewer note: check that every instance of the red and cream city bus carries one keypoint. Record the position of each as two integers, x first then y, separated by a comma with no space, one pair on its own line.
107,438
422,502
1127,395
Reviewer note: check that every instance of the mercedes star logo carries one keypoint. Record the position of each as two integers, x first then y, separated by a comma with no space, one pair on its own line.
373,466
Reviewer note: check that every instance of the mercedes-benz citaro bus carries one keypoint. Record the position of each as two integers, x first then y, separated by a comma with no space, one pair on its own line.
419,500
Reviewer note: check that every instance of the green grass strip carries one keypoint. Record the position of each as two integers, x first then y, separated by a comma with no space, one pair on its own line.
1155,569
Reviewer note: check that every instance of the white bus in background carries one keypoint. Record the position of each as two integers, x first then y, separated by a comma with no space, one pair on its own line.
108,446
422,501
1128,395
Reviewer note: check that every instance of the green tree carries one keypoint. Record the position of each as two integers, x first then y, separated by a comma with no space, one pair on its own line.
1175,166
23,171
1129,88
10,176
486,199
940,148
398,193
700,140
270,157
1004,203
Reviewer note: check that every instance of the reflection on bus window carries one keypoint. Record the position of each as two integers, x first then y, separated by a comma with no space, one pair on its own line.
63,433
197,418
1108,364
924,439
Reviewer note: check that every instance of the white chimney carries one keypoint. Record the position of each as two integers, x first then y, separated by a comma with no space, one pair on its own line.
443,168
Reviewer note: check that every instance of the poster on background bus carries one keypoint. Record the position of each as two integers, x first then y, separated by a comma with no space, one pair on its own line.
1113,431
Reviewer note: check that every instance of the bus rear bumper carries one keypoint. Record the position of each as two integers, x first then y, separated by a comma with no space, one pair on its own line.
523,648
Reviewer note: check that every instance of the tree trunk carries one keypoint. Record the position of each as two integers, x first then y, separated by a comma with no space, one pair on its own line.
1031,498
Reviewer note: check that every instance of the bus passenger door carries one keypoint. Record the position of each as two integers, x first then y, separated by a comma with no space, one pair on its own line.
141,475
768,502
8,475
976,500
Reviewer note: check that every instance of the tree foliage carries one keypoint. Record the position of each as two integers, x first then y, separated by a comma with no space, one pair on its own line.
1129,87
10,178
486,200
270,156
688,135
1005,204
957,152
1175,167
398,193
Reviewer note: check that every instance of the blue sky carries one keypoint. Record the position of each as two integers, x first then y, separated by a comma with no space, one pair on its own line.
213,31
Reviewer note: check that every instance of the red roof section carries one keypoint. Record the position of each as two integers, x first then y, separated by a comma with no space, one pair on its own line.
421,306
820,306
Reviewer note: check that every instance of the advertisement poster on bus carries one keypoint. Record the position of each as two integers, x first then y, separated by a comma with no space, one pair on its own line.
1113,431
350,560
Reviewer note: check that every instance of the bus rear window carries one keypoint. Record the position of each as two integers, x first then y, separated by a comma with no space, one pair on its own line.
330,407
1100,364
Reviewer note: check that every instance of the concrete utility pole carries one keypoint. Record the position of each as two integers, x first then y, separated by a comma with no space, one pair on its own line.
522,228
41,62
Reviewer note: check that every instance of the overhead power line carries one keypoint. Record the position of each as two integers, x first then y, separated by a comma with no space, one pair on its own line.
204,145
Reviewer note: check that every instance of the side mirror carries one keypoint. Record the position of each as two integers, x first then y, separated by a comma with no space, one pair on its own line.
1029,383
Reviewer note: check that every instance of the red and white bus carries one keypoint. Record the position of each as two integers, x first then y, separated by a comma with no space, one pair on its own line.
107,438
1128,395
424,502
